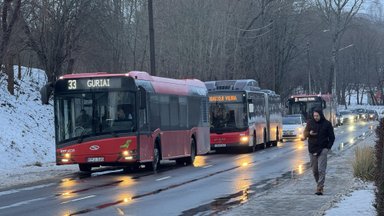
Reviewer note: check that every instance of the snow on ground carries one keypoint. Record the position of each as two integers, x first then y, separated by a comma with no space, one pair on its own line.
26,129
27,132
359,202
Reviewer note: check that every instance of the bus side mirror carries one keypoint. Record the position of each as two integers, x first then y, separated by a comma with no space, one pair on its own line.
46,92
142,98
324,105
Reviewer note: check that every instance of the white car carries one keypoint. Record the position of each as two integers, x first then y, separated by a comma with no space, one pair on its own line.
293,127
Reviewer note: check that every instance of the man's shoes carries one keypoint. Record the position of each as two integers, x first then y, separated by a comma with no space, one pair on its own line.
319,191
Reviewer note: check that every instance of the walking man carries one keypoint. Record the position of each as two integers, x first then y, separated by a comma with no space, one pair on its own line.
319,132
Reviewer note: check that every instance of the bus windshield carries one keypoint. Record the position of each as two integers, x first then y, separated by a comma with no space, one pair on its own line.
228,117
81,115
304,108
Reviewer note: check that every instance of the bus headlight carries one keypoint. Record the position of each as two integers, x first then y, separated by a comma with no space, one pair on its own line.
128,154
67,155
244,139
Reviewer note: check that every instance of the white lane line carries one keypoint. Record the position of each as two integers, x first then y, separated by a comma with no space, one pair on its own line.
22,203
161,179
205,167
78,199
25,189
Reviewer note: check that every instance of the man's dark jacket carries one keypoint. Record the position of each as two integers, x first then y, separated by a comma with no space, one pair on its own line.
325,136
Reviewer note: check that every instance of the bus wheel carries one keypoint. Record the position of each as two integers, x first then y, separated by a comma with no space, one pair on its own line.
156,158
85,167
191,158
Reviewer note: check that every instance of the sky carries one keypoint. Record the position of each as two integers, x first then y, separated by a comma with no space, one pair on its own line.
27,151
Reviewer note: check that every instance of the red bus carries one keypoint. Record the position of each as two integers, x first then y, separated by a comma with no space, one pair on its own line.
305,104
104,119
242,115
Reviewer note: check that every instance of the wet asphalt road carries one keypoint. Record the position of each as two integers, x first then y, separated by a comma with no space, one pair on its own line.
211,185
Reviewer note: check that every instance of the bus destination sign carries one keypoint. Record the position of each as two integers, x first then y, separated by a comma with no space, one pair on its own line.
224,98
304,99
77,84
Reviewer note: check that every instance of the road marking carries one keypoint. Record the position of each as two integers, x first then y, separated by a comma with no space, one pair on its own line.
161,179
25,189
204,167
22,203
78,199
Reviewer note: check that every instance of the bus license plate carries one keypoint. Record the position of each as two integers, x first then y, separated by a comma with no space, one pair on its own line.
220,145
95,159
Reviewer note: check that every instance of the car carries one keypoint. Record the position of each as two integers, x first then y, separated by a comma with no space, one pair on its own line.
348,116
362,113
293,127
372,115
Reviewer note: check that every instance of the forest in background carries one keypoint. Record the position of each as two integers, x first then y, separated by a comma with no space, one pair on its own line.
289,46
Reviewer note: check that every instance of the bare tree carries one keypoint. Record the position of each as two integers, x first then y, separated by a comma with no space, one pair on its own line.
10,15
337,14
53,28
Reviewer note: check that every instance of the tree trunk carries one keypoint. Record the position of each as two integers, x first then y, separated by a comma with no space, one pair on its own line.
10,73
19,67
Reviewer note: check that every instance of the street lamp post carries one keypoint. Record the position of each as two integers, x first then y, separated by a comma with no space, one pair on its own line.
151,39
309,70
334,89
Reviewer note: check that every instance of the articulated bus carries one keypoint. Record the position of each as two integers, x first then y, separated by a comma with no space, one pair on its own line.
305,104
242,115
104,119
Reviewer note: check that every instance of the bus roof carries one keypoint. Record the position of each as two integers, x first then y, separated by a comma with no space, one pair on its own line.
311,95
324,96
225,85
159,84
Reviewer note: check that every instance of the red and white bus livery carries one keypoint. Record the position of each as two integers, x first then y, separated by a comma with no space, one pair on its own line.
104,119
242,115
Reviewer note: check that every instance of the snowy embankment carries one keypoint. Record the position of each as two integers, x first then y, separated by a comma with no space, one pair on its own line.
26,129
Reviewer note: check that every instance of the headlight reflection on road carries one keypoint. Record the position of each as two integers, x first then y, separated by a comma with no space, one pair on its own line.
200,161
300,169
351,128
125,198
67,182
245,161
127,181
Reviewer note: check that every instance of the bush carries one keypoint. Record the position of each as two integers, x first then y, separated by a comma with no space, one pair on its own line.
364,164
379,172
